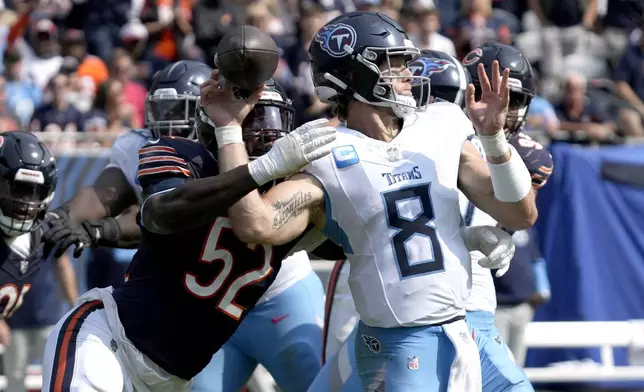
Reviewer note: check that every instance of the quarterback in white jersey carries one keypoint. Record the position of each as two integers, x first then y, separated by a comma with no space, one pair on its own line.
388,194
449,81
281,306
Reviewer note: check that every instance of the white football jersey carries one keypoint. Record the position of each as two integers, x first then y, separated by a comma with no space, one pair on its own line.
125,155
394,208
483,294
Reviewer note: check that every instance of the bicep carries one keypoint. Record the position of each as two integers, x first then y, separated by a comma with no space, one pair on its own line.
301,195
114,191
289,208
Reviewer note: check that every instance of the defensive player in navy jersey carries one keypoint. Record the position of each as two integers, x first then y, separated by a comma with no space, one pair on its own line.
170,110
28,178
192,281
283,331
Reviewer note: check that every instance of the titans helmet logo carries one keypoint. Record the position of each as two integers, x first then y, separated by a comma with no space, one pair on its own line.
426,66
334,38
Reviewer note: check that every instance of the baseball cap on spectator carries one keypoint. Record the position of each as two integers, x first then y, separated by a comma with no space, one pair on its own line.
45,27
75,36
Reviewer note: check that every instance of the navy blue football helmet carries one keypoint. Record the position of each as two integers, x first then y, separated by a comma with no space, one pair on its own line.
347,53
270,119
28,177
522,85
448,79
171,104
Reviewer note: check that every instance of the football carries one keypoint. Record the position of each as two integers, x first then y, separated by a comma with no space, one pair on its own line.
247,57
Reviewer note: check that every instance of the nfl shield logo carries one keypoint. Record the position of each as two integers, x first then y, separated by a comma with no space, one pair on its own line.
24,264
413,363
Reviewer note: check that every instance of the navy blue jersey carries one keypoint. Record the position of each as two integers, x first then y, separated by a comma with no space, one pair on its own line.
187,292
44,305
21,258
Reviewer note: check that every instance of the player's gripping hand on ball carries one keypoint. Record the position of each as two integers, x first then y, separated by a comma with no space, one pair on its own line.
221,106
288,155
494,243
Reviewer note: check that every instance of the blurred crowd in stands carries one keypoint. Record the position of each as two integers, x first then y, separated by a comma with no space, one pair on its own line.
77,72
81,67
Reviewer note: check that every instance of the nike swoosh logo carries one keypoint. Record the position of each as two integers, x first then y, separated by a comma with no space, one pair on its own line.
276,320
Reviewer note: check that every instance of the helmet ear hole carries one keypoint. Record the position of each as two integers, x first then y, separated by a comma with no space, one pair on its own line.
326,94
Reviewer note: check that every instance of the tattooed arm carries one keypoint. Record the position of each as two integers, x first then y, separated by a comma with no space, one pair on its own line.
280,215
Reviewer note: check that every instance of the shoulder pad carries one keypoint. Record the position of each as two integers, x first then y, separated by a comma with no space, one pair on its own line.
143,132
536,158
159,159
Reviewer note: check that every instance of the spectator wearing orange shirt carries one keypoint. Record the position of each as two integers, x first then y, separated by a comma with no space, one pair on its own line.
75,45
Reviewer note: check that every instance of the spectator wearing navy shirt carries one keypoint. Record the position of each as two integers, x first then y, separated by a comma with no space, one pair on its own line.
629,83
41,309
59,115
622,17
577,113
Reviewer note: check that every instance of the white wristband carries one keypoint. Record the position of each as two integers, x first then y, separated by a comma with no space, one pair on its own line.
260,170
495,145
228,135
511,180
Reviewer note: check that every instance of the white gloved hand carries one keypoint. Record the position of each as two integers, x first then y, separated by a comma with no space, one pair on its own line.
291,153
495,244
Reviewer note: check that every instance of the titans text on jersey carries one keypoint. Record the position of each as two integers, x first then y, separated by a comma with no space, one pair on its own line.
395,211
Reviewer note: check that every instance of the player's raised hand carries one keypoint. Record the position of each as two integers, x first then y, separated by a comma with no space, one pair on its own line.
494,243
489,112
291,153
220,104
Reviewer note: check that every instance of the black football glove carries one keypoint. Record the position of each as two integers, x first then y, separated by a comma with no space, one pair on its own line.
60,214
536,158
52,224
88,233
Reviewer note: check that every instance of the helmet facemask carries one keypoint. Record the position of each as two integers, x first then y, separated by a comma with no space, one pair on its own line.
22,201
269,120
170,114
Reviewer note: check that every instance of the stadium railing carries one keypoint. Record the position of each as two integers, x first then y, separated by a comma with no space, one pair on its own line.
605,335
98,143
